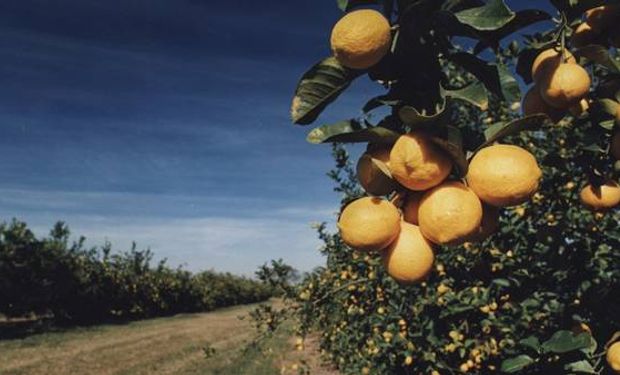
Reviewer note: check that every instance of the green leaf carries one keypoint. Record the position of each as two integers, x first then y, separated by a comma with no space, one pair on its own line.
351,131
491,16
500,130
509,85
517,363
501,282
531,342
496,78
321,85
416,120
450,139
346,5
600,55
566,341
522,19
379,101
607,124
583,367
608,106
474,93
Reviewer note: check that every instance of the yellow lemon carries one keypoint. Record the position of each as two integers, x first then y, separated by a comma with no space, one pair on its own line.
369,223
601,198
504,175
361,38
409,259
449,213
417,163
565,86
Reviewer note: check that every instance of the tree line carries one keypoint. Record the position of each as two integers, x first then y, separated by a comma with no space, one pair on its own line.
72,283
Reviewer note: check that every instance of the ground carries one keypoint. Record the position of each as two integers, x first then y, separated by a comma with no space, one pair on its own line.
159,346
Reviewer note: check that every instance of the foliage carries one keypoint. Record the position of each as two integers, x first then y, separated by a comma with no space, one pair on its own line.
516,302
74,284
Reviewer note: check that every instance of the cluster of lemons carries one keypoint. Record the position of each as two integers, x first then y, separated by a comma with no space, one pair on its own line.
437,210
561,85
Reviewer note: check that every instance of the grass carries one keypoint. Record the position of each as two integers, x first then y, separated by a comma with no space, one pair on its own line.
171,345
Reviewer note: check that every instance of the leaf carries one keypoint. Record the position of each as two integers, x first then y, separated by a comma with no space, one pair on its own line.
531,342
566,341
582,366
501,130
608,106
346,5
600,55
509,85
474,93
521,20
318,87
496,78
501,282
379,101
517,363
414,119
382,167
351,131
450,139
607,124
491,16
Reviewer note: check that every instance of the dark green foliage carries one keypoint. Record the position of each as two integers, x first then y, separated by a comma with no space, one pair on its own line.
73,284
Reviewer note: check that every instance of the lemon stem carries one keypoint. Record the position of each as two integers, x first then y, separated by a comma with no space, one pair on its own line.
564,57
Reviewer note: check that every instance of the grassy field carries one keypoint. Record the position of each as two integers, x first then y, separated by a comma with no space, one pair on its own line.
158,346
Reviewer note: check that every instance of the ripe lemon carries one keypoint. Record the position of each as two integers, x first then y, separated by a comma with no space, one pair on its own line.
614,147
602,16
409,259
361,38
372,179
369,223
449,213
548,60
488,225
411,207
613,357
417,163
565,86
533,103
504,175
601,198
584,35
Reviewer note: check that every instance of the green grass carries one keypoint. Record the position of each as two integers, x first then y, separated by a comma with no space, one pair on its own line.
171,345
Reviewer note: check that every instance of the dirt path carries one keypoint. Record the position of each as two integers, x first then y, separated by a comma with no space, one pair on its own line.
158,346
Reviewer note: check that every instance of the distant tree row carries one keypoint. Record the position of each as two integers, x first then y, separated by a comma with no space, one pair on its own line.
73,284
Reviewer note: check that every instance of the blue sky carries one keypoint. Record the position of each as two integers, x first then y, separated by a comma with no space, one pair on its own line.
165,122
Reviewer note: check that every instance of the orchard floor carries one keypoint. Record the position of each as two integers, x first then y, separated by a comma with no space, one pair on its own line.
171,345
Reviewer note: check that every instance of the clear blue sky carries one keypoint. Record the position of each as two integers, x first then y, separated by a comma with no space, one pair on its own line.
166,122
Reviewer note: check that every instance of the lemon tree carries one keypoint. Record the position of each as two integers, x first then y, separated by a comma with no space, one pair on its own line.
507,259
